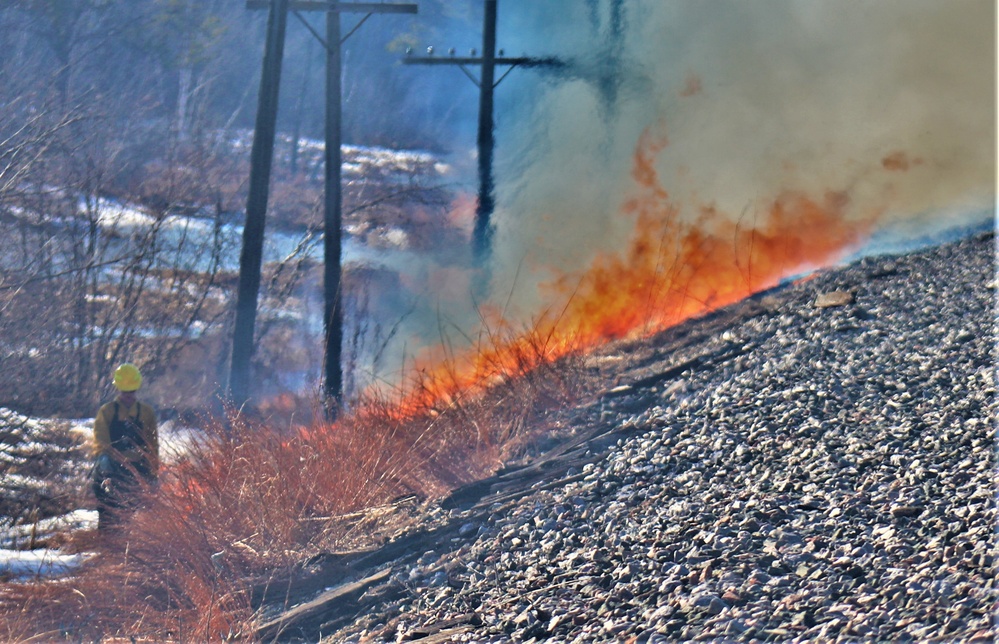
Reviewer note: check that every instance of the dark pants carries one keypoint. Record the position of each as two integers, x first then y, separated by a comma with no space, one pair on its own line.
119,491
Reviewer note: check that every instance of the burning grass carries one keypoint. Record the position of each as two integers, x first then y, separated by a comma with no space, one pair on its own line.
680,263
251,500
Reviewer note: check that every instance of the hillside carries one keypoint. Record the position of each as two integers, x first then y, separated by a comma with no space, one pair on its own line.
812,464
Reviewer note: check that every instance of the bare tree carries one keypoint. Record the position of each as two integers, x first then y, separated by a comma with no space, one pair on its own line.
89,280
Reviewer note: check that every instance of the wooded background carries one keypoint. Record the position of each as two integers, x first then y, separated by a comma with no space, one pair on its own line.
112,102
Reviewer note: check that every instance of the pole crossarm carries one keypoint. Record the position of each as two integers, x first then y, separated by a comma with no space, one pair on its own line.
332,6
320,39
338,7
521,61
463,61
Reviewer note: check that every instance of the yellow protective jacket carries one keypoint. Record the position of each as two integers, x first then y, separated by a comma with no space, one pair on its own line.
149,451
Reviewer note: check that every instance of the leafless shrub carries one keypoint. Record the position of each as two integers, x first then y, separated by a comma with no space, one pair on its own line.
83,284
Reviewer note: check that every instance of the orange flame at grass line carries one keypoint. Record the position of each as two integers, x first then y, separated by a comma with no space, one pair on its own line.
673,270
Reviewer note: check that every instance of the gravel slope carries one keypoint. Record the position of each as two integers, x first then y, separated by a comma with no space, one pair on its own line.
819,469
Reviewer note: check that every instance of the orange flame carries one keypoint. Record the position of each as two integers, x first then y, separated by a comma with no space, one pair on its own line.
899,162
673,269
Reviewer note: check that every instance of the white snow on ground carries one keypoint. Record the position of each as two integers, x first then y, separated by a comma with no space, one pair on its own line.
24,439
360,159
38,564
175,439
24,423
113,214
21,535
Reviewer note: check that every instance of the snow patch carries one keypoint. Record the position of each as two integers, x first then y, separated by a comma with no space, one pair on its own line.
38,564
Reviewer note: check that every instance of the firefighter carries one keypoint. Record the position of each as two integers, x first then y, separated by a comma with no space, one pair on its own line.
126,450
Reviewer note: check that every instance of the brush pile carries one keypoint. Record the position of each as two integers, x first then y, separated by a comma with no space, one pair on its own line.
815,464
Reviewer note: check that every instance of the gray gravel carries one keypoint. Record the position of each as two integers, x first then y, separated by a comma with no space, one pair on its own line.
830,479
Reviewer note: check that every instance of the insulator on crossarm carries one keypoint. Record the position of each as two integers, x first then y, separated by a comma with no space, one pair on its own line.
430,50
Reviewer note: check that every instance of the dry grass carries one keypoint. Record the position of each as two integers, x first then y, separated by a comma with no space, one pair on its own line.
253,500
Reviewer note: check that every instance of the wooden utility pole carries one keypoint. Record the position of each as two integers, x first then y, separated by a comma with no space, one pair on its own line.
333,202
487,83
261,154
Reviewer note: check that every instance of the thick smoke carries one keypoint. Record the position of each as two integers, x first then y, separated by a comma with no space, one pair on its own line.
888,103
891,103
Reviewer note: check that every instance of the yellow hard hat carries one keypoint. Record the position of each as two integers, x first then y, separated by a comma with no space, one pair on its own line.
127,377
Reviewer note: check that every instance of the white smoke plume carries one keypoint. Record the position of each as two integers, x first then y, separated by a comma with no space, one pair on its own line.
891,102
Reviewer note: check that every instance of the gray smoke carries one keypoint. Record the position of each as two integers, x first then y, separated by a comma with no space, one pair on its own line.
889,101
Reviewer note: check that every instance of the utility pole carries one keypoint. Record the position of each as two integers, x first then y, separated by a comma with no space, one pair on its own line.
333,201
261,155
487,83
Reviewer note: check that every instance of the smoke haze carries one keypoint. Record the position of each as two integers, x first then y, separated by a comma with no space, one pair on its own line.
891,103
868,114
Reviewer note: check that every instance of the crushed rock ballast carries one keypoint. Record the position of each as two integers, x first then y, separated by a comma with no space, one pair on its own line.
813,464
